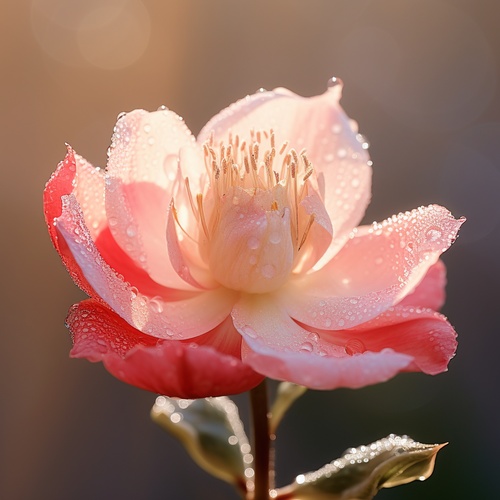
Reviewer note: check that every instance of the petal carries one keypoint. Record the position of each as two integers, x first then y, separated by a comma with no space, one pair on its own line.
421,333
376,269
158,316
279,348
141,173
430,292
143,144
319,125
172,368
74,174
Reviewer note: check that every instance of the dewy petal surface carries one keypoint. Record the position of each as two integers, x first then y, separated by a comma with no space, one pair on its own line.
333,145
157,316
142,168
376,269
172,368
75,174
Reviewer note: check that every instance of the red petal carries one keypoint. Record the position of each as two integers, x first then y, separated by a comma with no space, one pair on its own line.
62,183
172,368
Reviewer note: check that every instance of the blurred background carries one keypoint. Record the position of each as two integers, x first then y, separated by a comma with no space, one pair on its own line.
421,78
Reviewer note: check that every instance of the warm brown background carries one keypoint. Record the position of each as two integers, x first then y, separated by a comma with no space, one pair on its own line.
421,77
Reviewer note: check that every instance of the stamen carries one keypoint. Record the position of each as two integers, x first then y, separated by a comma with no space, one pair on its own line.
273,143
306,231
274,205
190,196
199,200
176,218
283,147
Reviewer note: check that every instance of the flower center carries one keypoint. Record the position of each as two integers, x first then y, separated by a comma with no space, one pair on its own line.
251,224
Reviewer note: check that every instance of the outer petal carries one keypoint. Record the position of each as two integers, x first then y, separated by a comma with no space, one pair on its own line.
279,348
376,269
74,174
320,125
402,339
172,368
158,316
421,333
430,292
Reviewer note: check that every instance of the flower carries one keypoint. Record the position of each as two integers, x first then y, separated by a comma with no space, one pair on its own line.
215,261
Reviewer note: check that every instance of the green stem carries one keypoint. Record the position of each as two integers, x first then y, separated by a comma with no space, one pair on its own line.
261,441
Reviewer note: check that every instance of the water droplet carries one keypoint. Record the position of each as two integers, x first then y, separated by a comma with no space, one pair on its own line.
355,182
134,292
147,128
354,346
275,238
306,347
334,82
162,108
341,153
433,234
151,141
236,200
313,337
156,305
268,271
112,221
328,322
131,231
329,157
121,115
253,243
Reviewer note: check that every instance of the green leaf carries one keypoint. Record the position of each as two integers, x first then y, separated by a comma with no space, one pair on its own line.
361,472
211,431
286,395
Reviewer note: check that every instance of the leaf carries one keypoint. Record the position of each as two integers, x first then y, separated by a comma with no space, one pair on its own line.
212,433
361,472
286,395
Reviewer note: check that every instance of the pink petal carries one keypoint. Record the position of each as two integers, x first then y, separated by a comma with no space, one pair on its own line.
167,367
157,316
430,292
141,174
320,125
376,269
279,348
73,174
421,333
328,373
143,144
401,339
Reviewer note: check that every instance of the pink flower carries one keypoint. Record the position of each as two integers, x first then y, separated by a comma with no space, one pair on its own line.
213,262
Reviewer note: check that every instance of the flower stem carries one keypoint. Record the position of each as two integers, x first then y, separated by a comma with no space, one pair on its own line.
261,441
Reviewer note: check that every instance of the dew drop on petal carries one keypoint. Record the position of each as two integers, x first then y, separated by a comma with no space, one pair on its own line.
156,305
433,234
268,271
354,346
253,243
334,82
306,347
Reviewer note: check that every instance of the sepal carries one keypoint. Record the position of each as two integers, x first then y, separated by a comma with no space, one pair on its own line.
212,433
